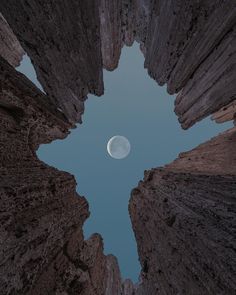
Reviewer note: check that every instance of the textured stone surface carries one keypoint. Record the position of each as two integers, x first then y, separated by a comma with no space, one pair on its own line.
214,157
63,41
190,45
10,48
114,283
111,34
183,215
212,85
184,218
128,288
42,250
227,113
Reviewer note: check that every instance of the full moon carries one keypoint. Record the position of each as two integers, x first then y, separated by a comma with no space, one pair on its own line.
118,147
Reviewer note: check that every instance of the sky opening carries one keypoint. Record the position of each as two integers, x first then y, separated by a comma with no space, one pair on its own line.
133,106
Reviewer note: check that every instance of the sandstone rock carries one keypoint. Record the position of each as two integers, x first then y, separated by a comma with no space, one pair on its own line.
190,45
111,34
63,41
128,21
227,113
114,285
142,19
10,48
212,85
183,217
128,288
42,249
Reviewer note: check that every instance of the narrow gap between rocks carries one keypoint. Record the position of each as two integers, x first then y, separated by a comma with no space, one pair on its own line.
134,106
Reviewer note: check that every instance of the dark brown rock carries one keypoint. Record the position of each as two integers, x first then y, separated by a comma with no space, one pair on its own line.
128,288
212,85
114,283
183,217
227,113
190,46
63,41
10,48
42,249
111,34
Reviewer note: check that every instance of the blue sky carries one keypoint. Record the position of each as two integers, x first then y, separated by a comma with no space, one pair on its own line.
136,107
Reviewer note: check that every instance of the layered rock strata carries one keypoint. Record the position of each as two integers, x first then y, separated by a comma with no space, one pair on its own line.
42,249
184,216
10,48
188,45
225,114
191,47
111,34
63,41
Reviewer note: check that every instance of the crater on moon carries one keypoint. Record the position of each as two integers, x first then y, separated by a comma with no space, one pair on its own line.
118,147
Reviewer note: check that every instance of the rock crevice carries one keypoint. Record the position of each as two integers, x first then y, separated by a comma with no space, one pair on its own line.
183,215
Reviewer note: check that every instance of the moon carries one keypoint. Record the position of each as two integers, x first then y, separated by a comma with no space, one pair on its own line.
118,147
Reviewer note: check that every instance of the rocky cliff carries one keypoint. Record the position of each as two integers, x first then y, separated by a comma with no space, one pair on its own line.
42,248
10,48
190,46
183,215
63,41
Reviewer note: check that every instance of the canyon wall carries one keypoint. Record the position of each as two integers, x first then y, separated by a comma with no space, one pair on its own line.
63,43
42,249
10,48
183,215
188,45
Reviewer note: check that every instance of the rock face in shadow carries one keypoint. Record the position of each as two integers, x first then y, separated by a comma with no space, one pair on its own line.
114,282
183,216
188,45
227,113
42,247
111,34
10,48
63,41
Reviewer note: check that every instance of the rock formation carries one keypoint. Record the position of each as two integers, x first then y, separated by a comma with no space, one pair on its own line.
191,46
10,48
188,45
64,46
183,215
227,113
42,250
111,35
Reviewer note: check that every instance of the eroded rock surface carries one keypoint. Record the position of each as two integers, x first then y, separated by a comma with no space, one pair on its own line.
111,34
10,48
183,216
188,45
63,41
42,249
227,113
